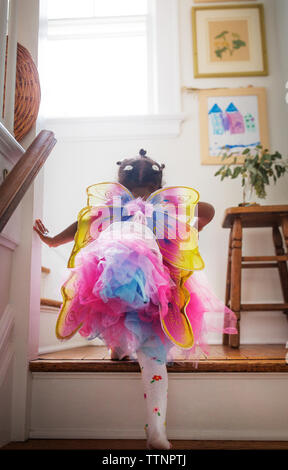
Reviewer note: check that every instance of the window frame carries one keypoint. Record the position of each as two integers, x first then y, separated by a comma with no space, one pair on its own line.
164,116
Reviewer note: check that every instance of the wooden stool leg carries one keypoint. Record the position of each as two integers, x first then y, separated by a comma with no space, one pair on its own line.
285,230
282,265
236,259
228,285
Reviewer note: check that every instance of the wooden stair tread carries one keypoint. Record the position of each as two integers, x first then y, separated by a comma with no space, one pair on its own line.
45,270
131,444
248,358
50,303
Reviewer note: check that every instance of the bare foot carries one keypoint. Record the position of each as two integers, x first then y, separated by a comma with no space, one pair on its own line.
115,356
158,442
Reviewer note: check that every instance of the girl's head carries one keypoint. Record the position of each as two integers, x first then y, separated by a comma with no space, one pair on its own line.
141,175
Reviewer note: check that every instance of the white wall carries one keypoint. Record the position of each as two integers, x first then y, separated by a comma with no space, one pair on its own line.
75,164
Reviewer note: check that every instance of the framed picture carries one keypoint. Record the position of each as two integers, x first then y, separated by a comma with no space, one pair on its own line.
229,41
231,118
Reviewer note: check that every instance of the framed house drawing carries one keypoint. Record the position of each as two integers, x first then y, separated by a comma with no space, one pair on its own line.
231,118
229,41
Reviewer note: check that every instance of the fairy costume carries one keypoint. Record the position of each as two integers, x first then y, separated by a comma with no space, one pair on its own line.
133,275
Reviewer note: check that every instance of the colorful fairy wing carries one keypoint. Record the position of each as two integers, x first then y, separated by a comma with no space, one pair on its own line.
105,203
174,209
104,206
91,222
108,194
175,323
181,200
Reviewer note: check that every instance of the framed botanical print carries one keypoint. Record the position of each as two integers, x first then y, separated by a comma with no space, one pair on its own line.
229,41
232,118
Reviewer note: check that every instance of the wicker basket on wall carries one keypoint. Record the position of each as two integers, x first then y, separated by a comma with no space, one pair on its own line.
27,92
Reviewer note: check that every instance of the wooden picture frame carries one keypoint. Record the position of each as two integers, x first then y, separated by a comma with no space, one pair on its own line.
235,118
229,41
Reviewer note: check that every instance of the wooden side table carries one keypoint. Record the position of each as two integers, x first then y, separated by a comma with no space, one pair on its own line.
237,219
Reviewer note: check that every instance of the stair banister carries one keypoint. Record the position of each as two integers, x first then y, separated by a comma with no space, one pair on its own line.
23,173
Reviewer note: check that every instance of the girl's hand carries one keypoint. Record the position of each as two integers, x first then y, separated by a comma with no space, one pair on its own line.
206,213
42,231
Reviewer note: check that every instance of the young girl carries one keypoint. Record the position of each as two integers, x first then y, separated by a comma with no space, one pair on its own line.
131,281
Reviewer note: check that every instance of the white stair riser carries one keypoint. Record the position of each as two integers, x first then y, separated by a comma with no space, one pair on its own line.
242,406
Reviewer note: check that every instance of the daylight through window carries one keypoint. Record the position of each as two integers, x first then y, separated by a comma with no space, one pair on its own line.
96,60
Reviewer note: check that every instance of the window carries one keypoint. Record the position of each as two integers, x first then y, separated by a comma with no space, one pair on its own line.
111,68
97,58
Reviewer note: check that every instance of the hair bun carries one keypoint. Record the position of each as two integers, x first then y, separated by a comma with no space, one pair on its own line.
142,153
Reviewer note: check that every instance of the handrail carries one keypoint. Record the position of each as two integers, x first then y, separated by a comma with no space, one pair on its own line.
23,173
9,146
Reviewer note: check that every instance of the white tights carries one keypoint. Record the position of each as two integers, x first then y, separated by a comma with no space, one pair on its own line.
155,382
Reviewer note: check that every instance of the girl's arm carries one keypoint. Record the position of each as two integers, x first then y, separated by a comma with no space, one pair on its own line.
64,237
206,213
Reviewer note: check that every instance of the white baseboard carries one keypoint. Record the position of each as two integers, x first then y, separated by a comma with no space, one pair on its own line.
6,346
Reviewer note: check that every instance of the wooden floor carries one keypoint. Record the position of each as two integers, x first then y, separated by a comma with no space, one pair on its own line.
137,444
248,358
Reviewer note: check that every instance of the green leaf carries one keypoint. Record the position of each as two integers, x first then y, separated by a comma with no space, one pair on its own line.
279,170
263,172
236,172
219,171
221,34
247,150
219,52
277,155
237,43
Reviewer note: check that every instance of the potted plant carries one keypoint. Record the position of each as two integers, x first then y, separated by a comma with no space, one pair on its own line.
256,171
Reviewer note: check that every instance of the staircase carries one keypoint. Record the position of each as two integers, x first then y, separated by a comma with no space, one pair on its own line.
233,395
228,397
79,393
49,309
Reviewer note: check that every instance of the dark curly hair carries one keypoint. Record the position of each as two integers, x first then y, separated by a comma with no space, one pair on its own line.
140,171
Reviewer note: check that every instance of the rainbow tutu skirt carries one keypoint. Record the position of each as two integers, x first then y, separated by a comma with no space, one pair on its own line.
121,291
